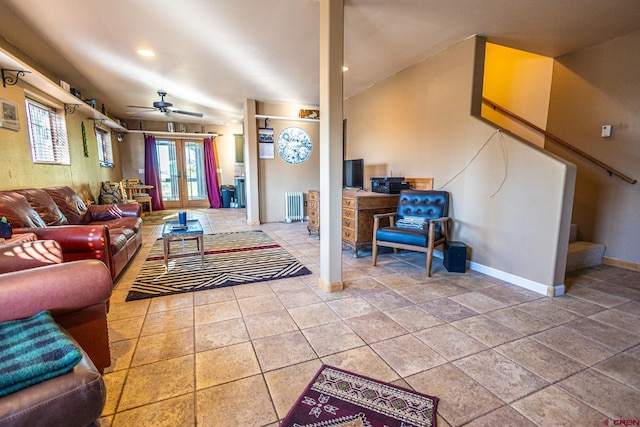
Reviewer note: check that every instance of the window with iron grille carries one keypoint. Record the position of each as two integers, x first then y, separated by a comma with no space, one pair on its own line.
105,152
47,134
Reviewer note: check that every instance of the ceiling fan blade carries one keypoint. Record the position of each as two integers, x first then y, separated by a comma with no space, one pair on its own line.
139,106
188,113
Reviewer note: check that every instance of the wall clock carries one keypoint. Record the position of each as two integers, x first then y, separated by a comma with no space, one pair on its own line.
294,145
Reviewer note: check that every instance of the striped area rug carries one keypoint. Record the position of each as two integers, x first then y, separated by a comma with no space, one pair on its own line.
229,259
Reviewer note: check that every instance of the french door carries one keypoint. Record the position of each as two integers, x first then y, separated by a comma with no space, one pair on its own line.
182,174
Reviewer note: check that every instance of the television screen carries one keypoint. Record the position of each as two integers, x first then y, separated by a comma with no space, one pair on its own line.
353,173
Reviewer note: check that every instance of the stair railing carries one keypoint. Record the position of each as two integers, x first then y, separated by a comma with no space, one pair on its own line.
609,169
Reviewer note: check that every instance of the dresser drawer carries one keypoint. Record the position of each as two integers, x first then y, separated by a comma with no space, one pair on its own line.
314,196
313,213
313,204
348,202
349,235
348,223
314,222
348,214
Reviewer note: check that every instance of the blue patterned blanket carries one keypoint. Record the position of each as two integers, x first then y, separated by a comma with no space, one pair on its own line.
33,350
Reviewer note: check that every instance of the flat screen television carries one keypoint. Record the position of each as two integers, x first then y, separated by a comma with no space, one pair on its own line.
353,173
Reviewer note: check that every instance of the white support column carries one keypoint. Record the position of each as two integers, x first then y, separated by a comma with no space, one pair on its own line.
251,162
331,97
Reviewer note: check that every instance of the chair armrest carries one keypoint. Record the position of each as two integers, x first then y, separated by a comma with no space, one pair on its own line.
60,288
114,211
26,255
445,220
377,217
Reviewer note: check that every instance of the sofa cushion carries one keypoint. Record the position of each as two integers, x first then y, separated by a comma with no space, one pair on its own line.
118,241
18,211
70,204
42,203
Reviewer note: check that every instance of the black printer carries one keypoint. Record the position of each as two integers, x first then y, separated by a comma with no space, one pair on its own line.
389,184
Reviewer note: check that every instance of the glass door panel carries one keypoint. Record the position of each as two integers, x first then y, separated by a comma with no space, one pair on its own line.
181,169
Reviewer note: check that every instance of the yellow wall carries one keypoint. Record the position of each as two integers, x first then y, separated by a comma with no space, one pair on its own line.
84,175
520,82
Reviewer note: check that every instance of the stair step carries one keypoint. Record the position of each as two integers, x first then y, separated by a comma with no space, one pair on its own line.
583,254
573,233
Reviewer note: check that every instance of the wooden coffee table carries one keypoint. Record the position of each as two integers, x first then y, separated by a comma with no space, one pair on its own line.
173,231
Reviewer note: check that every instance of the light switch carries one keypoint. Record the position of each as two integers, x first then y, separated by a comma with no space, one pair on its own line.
606,131
141,171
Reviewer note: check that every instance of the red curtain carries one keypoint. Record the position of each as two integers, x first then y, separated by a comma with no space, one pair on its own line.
151,175
210,170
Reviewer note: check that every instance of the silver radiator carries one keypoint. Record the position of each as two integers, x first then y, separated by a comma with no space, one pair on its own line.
294,206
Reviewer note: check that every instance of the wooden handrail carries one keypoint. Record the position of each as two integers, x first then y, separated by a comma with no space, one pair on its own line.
561,142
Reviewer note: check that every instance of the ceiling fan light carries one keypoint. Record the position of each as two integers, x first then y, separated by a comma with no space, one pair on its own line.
146,52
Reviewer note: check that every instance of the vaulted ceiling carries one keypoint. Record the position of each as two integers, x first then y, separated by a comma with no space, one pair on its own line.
213,54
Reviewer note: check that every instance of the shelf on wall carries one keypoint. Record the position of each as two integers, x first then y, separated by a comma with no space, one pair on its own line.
297,119
44,84
177,135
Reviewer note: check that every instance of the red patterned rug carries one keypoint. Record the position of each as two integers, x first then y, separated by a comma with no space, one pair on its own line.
337,398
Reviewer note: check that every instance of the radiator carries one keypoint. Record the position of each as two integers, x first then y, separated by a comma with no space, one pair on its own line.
293,206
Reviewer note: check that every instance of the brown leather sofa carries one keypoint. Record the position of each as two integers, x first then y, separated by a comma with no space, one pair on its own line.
77,294
109,233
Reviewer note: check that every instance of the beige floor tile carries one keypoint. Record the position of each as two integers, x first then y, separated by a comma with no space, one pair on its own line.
125,329
158,381
226,364
268,324
445,287
121,354
114,383
603,333
126,310
450,342
287,384
347,308
395,280
623,368
502,417
407,355
418,293
573,345
332,338
447,310
220,334
575,305
540,359
520,321
165,345
260,304
212,296
288,285
413,318
313,315
171,302
216,312
386,300
178,411
364,361
364,285
509,295
282,350
477,302
606,395
487,331
298,298
554,407
618,319
596,297
245,402
504,378
375,327
473,281
631,307
462,399
634,352
167,321
252,290
544,308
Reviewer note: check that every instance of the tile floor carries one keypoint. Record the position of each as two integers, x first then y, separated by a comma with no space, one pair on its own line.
495,354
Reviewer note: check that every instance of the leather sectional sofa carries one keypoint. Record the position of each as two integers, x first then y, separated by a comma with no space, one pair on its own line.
109,233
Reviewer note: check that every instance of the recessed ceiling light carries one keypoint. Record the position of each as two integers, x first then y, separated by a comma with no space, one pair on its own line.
345,68
146,52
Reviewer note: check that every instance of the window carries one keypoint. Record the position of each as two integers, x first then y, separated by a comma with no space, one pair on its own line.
105,153
47,134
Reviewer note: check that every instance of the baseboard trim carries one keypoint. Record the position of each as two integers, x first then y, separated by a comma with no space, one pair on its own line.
620,263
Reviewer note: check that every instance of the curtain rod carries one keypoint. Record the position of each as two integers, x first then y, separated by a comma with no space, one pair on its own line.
177,135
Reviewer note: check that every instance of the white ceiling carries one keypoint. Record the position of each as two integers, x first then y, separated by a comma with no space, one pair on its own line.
212,54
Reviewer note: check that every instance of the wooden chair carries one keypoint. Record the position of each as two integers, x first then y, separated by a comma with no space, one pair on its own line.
138,195
419,224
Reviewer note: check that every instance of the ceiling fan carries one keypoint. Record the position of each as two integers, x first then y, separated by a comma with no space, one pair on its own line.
166,107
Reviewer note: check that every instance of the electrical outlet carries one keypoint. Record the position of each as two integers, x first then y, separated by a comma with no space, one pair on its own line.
141,171
606,131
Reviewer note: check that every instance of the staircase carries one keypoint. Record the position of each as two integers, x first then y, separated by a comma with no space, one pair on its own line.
582,254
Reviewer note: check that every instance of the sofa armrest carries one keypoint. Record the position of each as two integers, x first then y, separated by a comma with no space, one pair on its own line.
107,212
59,288
25,255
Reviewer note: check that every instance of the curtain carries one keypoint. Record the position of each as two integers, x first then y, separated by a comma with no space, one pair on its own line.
151,175
210,170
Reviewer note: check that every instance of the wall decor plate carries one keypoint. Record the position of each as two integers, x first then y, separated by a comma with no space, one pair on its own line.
294,145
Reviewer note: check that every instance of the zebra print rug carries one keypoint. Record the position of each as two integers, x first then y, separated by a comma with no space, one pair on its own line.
229,259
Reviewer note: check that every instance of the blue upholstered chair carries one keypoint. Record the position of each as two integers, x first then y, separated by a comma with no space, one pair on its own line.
419,224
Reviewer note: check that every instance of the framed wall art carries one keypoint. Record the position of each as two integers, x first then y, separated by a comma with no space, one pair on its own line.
9,118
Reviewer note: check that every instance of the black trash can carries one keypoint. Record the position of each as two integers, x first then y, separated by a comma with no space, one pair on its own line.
455,256
228,193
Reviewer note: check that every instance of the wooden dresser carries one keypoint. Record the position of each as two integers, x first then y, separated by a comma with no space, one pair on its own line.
358,209
313,208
